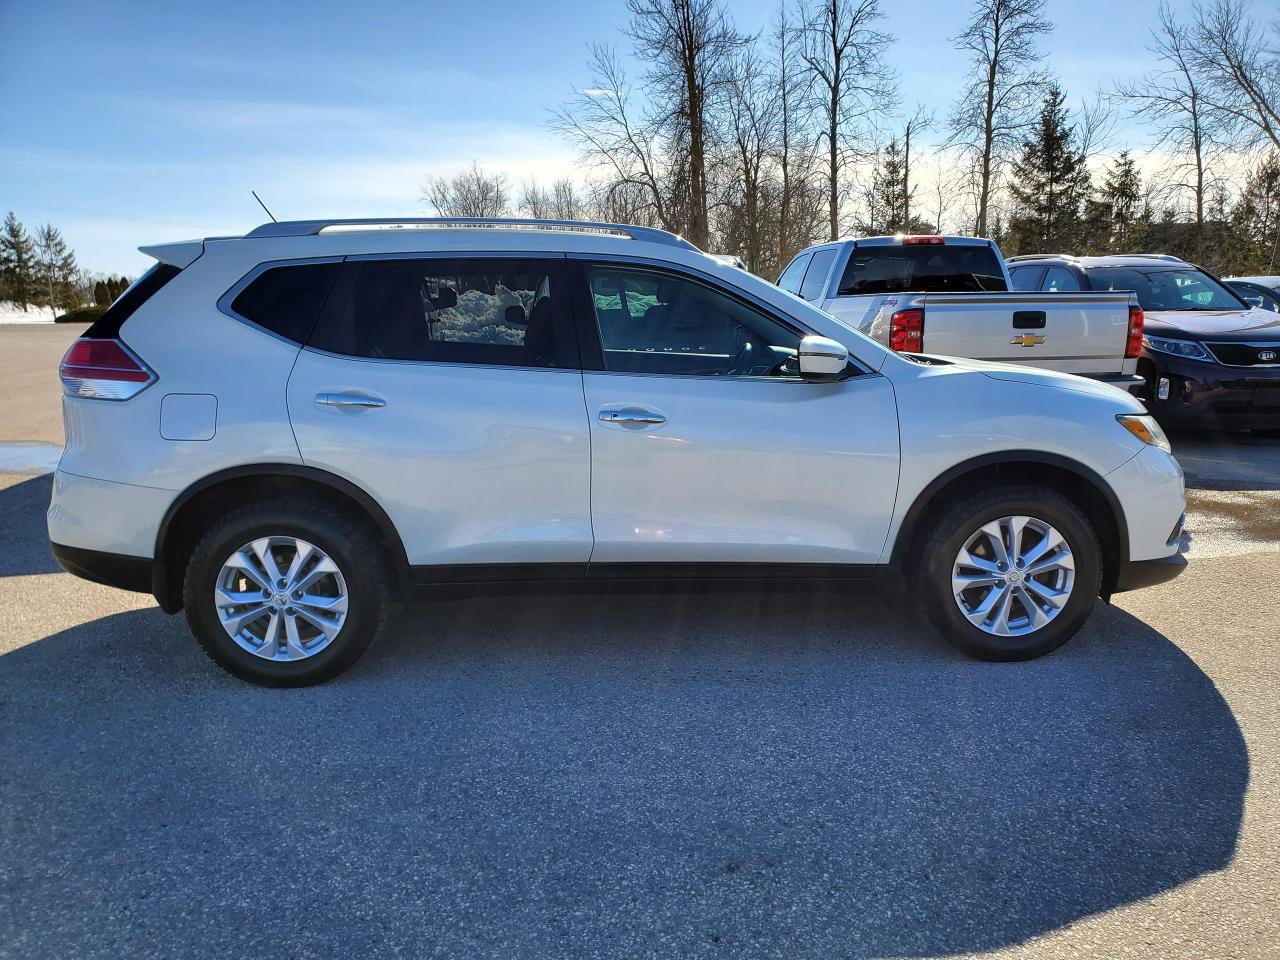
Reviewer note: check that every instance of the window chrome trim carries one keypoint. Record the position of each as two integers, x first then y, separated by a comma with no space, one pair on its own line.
462,364
224,301
459,255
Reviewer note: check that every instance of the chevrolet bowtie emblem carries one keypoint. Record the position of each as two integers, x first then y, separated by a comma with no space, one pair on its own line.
1026,340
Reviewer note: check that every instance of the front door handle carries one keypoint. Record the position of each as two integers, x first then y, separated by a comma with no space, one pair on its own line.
634,416
349,400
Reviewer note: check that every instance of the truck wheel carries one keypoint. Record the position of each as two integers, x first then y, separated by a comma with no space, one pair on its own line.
287,593
1009,573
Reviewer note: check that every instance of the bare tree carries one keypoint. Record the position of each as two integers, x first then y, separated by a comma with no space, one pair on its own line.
918,123
469,193
615,137
853,84
1239,64
1002,92
794,154
690,46
753,124
1171,101
559,202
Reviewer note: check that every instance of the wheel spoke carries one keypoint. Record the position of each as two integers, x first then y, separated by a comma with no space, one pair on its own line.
978,615
1016,526
1038,617
241,561
323,568
237,598
329,627
995,536
262,550
322,604
1057,598
1062,560
302,553
293,641
966,581
967,559
237,622
1050,541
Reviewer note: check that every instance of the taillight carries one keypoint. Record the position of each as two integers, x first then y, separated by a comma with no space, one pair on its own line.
924,238
1133,347
103,370
906,331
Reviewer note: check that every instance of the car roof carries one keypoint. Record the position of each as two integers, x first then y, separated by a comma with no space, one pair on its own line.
1108,260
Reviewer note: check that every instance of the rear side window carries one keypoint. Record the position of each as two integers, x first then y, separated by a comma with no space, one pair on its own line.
107,326
922,268
287,299
500,312
791,277
815,277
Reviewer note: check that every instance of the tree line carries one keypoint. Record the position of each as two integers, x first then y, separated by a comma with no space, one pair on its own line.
759,144
41,270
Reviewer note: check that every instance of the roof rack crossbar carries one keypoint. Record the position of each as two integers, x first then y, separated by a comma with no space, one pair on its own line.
306,228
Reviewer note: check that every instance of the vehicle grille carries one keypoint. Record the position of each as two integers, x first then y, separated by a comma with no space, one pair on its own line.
1246,354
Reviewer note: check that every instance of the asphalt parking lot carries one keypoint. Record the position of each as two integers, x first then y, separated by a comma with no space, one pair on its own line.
771,773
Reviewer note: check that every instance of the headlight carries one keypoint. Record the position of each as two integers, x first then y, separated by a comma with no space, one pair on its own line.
1178,348
1145,428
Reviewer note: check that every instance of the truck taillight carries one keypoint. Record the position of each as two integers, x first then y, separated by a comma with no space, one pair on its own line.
1133,346
906,331
924,238
103,370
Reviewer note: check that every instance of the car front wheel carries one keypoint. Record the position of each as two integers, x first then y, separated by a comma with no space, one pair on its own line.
287,593
1010,573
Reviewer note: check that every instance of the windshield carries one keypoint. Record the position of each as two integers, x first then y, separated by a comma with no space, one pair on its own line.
1167,288
924,268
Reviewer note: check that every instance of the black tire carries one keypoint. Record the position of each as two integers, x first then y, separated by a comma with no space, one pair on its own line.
952,528
357,554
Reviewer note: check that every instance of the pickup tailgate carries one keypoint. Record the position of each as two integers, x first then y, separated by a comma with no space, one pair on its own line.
1082,333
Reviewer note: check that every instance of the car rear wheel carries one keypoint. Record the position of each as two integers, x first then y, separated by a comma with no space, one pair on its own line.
1010,573
287,593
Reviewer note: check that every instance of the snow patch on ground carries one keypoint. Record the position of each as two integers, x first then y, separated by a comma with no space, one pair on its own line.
12,313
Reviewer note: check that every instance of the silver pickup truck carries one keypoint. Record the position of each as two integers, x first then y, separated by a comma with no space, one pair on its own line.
950,296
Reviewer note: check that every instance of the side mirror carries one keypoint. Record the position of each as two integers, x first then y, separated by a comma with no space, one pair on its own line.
821,359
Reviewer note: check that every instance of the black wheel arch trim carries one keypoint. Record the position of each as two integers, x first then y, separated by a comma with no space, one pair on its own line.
160,574
911,520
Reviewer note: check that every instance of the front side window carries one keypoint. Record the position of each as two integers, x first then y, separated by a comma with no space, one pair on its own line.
453,311
791,277
1166,288
654,322
1026,278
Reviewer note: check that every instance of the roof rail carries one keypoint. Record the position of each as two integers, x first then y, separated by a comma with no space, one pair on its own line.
1150,256
306,228
1041,256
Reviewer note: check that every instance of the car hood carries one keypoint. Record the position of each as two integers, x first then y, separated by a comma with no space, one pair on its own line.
1017,373
1214,324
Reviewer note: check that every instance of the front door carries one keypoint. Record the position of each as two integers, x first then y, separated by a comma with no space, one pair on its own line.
448,389
706,448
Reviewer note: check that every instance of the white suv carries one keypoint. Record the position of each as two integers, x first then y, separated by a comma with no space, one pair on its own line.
287,432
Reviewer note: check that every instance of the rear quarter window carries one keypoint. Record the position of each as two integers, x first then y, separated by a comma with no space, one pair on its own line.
286,299
107,326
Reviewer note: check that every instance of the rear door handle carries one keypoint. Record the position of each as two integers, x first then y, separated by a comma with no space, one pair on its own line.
1028,319
634,416
349,400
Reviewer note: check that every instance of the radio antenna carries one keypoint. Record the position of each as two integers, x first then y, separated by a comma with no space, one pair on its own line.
264,206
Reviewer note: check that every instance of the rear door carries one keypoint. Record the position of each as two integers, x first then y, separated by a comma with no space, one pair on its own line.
448,388
708,449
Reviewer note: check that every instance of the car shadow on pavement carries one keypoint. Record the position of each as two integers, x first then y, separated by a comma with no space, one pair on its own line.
24,540
657,774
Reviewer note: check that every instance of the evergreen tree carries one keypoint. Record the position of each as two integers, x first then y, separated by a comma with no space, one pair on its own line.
100,295
1122,194
1049,184
17,262
56,271
889,197
1254,222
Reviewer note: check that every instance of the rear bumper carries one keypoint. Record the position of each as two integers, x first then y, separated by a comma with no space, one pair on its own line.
1125,381
1137,574
112,569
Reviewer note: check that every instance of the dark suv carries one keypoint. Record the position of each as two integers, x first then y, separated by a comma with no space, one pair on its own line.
1208,358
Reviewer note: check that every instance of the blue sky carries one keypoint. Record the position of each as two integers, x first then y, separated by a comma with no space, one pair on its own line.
143,122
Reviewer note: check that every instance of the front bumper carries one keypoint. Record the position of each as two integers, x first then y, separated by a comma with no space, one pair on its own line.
1211,394
1125,381
1137,574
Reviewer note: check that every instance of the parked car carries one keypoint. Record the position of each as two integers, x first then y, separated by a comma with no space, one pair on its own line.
1255,294
1270,282
950,296
286,432
1209,359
